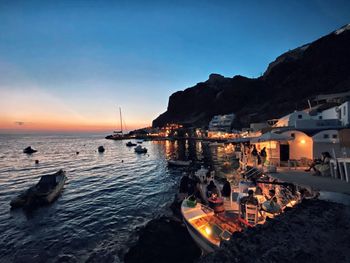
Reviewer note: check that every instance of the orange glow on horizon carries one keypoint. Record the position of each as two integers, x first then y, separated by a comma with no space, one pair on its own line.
63,125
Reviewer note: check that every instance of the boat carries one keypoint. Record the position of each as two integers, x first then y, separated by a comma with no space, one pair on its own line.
44,192
129,144
179,163
140,149
206,227
29,150
118,135
210,224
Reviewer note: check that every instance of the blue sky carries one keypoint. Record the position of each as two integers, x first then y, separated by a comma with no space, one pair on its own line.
82,59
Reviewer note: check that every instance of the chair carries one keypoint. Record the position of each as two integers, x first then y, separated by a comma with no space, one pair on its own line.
251,214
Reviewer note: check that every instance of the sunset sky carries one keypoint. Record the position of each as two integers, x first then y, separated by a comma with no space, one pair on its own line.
69,65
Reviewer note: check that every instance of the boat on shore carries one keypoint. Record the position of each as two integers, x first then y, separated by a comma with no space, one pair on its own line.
44,192
140,149
206,227
212,218
130,144
179,163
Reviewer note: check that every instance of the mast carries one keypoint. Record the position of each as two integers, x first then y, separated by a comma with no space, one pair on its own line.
121,120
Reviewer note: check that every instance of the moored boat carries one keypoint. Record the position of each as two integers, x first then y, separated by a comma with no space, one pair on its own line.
206,227
179,163
44,192
140,149
130,144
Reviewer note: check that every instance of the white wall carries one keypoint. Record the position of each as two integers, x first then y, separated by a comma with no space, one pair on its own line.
301,146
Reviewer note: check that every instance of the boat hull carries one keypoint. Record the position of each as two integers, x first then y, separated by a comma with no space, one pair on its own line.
202,243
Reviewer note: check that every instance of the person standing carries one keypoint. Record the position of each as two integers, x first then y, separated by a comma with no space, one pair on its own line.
263,156
254,154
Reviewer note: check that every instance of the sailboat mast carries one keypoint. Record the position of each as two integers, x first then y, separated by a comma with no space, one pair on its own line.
121,120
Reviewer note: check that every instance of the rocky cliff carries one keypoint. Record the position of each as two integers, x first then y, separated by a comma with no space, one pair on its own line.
322,66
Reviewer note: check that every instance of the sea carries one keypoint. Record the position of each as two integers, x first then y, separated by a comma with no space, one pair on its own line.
106,200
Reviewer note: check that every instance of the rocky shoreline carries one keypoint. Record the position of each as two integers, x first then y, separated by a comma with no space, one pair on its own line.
163,240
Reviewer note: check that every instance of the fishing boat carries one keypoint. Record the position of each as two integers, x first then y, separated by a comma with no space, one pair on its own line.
130,144
206,227
179,163
44,192
210,224
140,149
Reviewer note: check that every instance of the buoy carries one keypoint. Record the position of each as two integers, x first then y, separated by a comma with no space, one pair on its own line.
122,161
36,161
101,149
77,153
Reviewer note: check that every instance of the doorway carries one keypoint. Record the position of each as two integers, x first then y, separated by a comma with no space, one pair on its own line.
284,152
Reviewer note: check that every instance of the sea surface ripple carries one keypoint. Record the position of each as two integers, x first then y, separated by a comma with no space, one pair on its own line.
106,198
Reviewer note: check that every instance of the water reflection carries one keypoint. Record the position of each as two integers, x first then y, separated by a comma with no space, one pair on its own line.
220,158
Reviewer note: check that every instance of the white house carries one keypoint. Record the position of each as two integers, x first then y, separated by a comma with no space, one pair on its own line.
221,122
340,112
291,119
334,117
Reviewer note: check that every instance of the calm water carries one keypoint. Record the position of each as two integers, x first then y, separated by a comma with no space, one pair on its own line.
104,200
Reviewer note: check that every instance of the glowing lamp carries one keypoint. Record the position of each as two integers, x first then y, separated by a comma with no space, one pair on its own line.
302,141
208,230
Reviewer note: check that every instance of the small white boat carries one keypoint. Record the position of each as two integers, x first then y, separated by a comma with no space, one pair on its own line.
140,149
207,228
179,163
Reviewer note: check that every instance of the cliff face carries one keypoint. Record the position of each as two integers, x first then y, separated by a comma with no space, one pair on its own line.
322,66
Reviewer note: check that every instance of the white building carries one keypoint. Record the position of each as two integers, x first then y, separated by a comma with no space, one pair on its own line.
334,117
222,122
291,119
340,112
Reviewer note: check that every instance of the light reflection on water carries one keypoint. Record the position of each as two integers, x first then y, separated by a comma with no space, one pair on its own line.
104,199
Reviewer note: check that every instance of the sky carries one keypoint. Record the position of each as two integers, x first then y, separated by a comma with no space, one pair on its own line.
69,65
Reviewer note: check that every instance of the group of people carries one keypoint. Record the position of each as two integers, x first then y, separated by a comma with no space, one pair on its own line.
269,204
250,152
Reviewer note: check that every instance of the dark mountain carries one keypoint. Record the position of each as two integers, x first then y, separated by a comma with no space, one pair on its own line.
320,67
